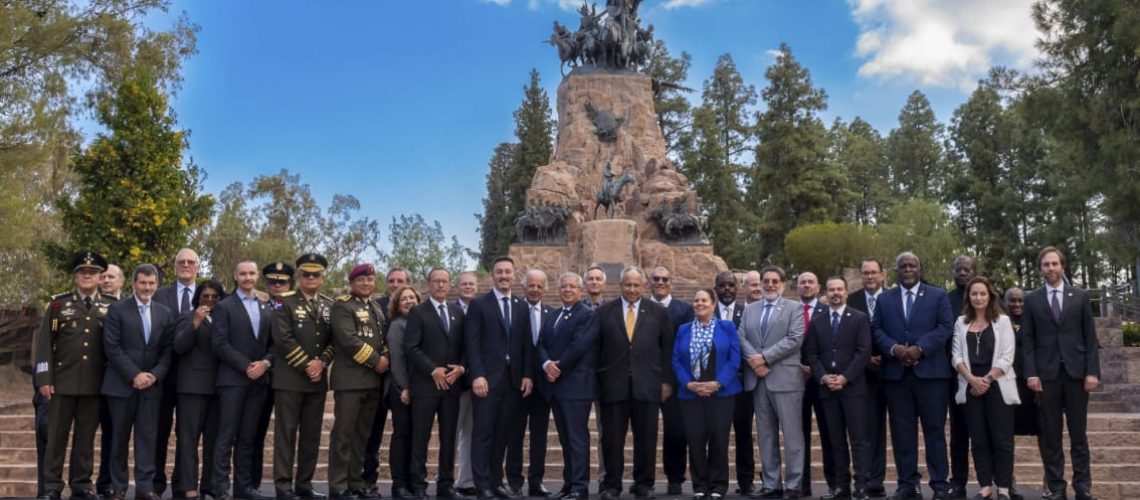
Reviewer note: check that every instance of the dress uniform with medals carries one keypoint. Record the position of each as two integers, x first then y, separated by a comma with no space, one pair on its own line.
279,272
68,355
301,336
358,338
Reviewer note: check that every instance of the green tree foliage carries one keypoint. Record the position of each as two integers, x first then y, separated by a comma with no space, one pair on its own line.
827,248
136,200
496,223
858,149
418,247
673,113
719,136
792,182
914,151
925,228
534,129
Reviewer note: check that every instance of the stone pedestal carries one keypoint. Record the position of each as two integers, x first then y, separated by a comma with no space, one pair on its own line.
609,242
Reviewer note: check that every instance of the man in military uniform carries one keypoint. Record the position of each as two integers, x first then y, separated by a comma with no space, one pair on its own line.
278,281
304,350
361,359
68,354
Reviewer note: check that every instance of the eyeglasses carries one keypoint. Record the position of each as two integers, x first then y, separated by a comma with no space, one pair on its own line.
185,262
310,275
660,279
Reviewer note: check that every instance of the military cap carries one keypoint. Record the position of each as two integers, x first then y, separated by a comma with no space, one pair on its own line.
86,259
277,271
361,270
312,263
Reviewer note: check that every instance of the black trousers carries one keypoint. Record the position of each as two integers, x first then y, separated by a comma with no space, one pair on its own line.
63,412
239,413
743,419
197,423
353,413
572,420
959,440
913,401
103,481
371,472
876,432
297,414
494,418
707,422
847,422
990,421
1065,397
617,418
811,403
138,416
40,404
400,445
257,461
536,412
425,410
166,410
674,444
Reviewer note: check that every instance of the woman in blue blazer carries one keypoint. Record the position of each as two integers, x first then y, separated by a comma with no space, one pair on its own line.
706,356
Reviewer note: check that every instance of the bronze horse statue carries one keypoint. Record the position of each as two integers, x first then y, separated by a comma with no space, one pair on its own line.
610,194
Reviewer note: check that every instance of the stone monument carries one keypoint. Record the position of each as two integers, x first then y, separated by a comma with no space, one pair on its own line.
610,194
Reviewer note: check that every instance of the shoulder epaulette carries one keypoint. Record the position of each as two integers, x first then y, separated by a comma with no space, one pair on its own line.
344,298
59,296
290,293
323,296
108,296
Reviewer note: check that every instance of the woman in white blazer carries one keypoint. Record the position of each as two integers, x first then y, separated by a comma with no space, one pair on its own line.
983,351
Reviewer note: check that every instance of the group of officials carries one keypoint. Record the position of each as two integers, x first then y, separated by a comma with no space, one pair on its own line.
479,371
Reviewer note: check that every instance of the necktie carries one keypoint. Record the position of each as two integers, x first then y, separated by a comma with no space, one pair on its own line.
145,321
185,305
871,306
561,315
764,320
507,316
909,304
834,324
726,313
443,318
807,315
630,318
535,323
87,301
1056,306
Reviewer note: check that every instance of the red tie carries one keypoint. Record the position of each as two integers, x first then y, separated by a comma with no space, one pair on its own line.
807,318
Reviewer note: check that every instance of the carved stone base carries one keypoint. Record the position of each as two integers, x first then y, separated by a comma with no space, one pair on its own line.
688,263
609,242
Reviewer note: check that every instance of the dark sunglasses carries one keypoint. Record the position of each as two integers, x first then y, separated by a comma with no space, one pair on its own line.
310,275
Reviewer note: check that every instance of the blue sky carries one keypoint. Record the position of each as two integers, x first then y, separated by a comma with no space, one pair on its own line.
402,103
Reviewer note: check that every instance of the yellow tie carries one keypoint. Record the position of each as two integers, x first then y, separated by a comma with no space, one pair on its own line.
630,318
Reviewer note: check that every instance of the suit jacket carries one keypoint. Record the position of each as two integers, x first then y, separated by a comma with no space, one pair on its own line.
780,347
357,329
197,365
726,342
930,327
168,296
489,344
737,313
573,343
1004,347
680,312
646,362
1048,341
540,382
844,353
819,308
428,346
235,344
129,353
301,333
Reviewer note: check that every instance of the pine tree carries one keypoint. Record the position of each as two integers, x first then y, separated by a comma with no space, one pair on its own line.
858,149
673,113
914,151
496,220
534,129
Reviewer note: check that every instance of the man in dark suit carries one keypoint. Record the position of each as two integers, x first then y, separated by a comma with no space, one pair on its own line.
567,352
468,287
535,410
911,325
871,271
303,346
67,351
175,297
635,375
963,269
397,277
137,338
1062,364
807,286
838,346
242,339
674,446
433,340
111,283
500,359
729,309
595,285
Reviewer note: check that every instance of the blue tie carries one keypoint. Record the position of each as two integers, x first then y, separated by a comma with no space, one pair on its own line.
764,320
871,306
909,304
834,324
146,322
443,317
507,316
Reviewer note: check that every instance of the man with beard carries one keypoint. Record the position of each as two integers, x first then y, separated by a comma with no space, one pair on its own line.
728,309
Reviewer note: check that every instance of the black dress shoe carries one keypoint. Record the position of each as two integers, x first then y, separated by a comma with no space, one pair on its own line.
642,492
1084,495
342,495
905,495
673,489
502,492
485,494
576,496
610,495
469,491
148,496
117,495
285,495
876,492
940,495
793,495
252,494
956,492
744,490
448,492
765,493
837,494
858,494
419,493
52,494
402,492
310,493
538,490
515,490
84,495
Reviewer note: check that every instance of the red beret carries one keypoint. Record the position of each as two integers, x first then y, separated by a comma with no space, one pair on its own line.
361,270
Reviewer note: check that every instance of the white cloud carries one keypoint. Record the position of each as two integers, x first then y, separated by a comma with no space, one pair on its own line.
674,4
942,43
501,3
